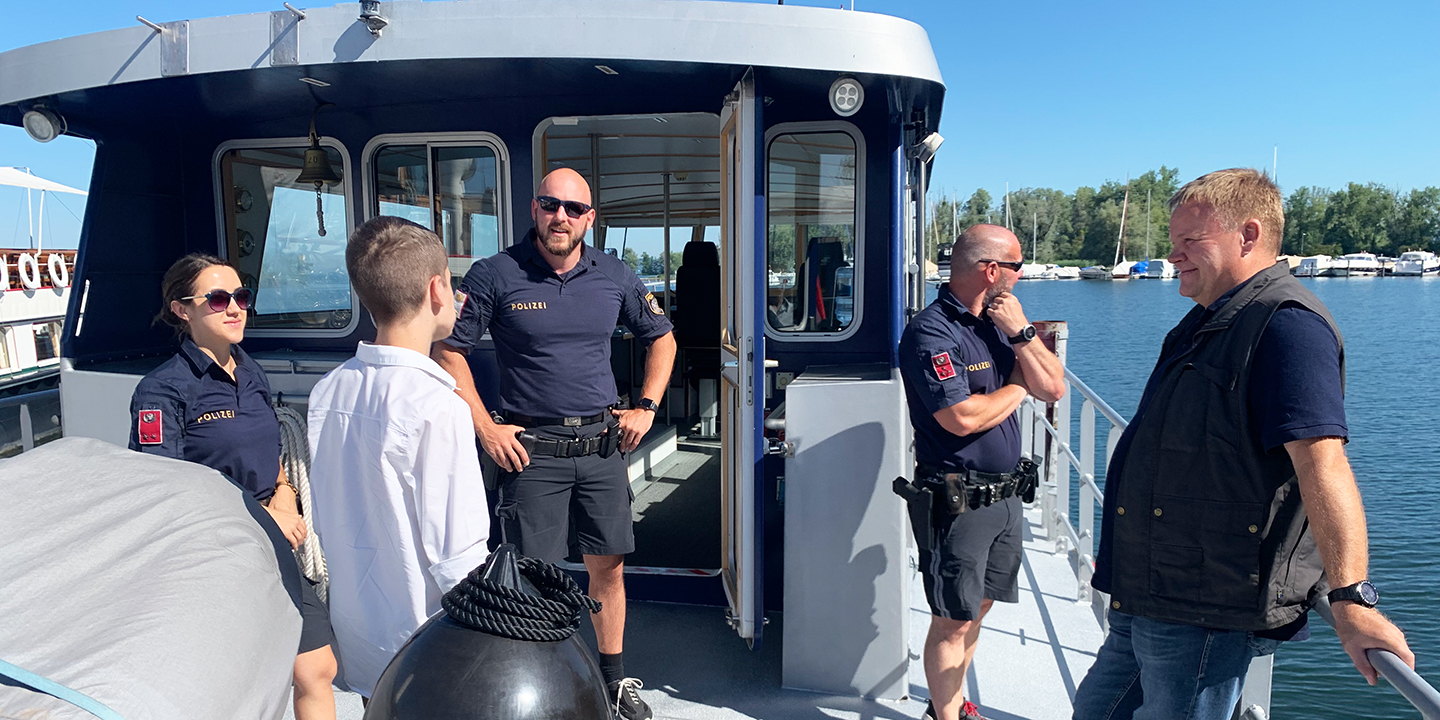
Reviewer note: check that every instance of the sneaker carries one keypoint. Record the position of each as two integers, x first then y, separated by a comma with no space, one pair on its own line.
628,703
968,711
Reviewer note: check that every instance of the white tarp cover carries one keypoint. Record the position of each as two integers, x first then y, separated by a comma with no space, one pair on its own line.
19,178
142,582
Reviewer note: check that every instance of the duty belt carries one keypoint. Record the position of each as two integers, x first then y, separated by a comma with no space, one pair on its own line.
972,489
602,445
523,420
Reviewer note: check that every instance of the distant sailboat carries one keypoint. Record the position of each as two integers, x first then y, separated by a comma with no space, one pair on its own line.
1122,268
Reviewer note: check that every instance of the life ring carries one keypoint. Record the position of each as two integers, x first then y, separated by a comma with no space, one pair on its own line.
59,274
29,278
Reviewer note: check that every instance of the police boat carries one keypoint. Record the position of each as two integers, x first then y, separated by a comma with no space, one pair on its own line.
784,152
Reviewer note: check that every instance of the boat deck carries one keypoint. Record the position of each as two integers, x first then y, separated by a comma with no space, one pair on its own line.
1031,657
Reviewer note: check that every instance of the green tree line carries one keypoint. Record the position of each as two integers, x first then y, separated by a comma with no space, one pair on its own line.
1083,227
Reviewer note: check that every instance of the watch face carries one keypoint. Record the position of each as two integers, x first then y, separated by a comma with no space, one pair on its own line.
1028,332
1368,593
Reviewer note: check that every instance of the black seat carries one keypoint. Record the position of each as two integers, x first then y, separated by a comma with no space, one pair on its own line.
697,309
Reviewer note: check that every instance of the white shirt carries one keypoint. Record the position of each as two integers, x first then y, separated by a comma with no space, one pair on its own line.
397,499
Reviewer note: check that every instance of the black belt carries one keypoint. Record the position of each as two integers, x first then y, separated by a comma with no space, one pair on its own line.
523,420
602,445
970,489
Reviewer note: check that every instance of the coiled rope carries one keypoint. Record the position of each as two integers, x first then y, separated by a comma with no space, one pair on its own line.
295,458
508,612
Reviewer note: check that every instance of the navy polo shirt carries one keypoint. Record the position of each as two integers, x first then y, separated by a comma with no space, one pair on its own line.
191,409
552,332
946,355
1295,393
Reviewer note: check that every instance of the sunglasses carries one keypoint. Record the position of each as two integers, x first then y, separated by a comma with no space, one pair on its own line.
219,300
573,208
1013,265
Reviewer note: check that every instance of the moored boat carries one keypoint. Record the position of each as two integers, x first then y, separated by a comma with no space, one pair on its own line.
1417,262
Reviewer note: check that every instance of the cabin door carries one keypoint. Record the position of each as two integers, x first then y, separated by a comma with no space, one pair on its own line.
742,353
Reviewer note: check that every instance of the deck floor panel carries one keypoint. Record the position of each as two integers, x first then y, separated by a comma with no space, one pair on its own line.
1032,654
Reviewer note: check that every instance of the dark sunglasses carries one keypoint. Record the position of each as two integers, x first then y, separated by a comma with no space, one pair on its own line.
219,300
573,208
1013,265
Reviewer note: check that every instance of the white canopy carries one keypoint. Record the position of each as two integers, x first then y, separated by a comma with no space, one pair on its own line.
20,178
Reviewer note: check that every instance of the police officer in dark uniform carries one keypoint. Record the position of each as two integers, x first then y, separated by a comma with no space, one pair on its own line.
210,404
968,360
550,304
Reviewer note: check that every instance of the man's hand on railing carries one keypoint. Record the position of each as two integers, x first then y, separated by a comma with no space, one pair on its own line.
1360,629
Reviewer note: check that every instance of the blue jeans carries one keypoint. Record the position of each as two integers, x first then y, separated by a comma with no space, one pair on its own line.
1154,670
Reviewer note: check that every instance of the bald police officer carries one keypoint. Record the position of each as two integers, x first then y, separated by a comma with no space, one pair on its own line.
967,361
550,304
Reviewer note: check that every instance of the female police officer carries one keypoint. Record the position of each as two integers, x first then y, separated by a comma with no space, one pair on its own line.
210,404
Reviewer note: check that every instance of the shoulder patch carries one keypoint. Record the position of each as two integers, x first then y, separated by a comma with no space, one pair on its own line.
152,427
943,369
653,303
460,298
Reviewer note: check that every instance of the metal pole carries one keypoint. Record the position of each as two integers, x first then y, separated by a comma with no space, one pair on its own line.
40,227
667,244
599,239
27,429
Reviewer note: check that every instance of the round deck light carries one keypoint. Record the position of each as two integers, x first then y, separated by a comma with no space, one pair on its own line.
846,96
42,124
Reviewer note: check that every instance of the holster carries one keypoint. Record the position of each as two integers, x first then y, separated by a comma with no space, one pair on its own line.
527,441
1027,479
610,441
920,502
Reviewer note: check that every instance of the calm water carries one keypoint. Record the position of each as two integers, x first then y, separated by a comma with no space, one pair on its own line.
1392,343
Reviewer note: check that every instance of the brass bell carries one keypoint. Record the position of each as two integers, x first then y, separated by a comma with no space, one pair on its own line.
317,165
317,162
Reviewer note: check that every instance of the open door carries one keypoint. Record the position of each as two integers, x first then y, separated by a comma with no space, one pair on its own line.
742,353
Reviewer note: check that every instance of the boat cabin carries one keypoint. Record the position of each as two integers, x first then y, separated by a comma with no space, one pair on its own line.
782,149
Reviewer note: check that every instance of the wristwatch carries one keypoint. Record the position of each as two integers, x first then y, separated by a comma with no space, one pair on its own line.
647,404
1361,593
1026,334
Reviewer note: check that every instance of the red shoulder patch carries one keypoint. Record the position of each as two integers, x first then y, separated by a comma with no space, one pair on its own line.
943,369
152,427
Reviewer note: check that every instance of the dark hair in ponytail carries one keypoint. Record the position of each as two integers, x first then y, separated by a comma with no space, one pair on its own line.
179,282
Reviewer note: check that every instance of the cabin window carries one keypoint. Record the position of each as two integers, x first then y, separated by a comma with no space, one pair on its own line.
453,189
47,341
811,232
276,240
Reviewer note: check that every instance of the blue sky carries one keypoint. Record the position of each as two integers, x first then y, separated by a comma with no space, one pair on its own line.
1044,94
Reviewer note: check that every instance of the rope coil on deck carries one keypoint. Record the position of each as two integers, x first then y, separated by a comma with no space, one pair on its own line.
508,612
295,458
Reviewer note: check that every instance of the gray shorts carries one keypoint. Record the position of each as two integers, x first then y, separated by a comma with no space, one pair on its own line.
539,506
975,556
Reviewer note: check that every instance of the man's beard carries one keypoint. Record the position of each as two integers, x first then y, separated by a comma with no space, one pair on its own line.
994,292
557,246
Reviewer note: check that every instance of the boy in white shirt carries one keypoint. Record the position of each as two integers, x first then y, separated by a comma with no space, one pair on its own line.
395,483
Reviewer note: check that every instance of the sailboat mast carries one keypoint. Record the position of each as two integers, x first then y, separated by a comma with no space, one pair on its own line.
1147,226
1034,236
1124,209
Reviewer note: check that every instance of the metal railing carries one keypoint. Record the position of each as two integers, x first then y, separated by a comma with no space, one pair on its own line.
1045,436
27,434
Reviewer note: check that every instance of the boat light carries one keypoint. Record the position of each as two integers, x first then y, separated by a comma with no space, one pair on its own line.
370,15
607,70
313,81
43,124
925,150
846,96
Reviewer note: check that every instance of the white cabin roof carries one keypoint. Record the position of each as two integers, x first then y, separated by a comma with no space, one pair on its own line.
744,34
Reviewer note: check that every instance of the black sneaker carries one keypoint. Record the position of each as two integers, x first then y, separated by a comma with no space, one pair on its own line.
625,695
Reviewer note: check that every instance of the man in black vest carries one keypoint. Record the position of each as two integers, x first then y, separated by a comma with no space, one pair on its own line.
967,361
1229,503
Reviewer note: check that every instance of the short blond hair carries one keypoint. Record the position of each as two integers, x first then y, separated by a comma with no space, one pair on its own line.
1237,195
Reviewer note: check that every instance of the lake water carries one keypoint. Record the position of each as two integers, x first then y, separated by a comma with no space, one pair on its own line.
1391,328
